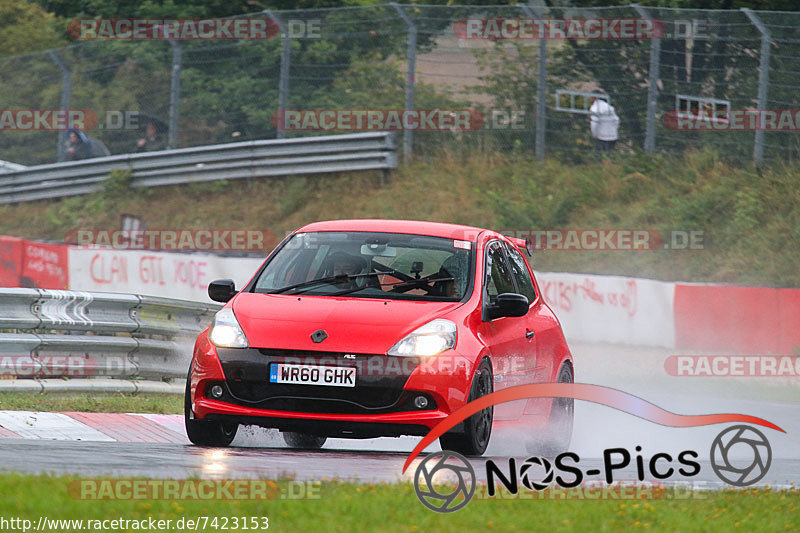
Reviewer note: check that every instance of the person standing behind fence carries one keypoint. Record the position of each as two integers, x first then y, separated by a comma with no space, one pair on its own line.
152,141
604,124
79,146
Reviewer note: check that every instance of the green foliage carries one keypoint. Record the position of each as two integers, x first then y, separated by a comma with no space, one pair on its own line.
118,183
75,212
84,211
291,194
334,505
750,221
748,211
27,28
206,188
99,402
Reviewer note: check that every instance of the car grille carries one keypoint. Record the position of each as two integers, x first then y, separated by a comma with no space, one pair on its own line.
379,382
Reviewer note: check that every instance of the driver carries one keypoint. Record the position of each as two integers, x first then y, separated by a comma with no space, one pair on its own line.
342,263
452,268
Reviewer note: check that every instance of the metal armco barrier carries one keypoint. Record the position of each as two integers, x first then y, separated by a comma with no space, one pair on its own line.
77,334
252,159
37,386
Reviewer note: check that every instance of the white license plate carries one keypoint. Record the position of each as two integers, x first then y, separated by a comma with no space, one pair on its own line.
330,376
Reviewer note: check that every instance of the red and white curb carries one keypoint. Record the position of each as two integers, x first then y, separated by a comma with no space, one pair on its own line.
98,427
148,428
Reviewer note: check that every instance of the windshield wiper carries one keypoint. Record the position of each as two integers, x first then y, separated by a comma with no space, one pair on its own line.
330,279
395,283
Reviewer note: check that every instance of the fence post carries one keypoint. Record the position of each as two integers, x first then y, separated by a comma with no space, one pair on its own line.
283,83
175,93
541,104
541,88
408,135
66,93
763,80
652,86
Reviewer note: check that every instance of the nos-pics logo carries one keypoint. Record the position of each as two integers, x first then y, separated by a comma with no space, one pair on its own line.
453,493
445,481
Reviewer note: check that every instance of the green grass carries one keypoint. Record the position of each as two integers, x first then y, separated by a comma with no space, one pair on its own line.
384,507
92,402
749,217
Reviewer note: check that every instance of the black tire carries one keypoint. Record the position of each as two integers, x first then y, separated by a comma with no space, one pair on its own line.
206,432
303,441
557,434
478,427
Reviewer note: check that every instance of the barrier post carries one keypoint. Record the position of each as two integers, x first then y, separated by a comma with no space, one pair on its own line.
763,80
66,92
652,86
408,135
283,82
175,93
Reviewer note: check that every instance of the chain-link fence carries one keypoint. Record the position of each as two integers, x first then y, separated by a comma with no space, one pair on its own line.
532,94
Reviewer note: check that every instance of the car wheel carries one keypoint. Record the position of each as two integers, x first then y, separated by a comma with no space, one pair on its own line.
478,427
303,440
206,432
558,431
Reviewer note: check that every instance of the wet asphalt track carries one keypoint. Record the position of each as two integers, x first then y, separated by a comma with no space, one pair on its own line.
259,453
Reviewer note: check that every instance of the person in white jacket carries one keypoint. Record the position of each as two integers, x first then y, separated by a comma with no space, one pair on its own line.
604,124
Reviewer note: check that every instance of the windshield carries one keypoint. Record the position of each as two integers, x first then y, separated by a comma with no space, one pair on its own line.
370,265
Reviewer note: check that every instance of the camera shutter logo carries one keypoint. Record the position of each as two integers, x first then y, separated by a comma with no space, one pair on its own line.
525,470
456,479
741,471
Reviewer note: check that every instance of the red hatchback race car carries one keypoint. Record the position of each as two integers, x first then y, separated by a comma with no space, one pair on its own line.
373,328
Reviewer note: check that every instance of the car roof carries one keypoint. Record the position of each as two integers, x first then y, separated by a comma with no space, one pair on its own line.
414,227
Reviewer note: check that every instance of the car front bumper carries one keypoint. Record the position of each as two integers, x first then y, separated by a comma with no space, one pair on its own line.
331,425
248,398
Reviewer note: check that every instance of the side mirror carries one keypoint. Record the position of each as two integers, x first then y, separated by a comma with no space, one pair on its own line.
221,290
508,304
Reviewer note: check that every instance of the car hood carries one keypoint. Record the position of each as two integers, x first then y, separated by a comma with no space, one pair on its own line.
357,325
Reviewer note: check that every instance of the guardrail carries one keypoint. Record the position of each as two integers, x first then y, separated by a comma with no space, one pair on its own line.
252,159
77,334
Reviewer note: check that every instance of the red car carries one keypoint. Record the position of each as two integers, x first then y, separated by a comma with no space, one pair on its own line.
373,328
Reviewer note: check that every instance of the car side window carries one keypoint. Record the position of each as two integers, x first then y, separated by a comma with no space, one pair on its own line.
521,274
500,278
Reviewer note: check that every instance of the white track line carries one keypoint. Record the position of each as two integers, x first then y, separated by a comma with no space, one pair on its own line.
49,426
173,423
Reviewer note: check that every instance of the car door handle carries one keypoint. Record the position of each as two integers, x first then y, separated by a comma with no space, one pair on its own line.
529,334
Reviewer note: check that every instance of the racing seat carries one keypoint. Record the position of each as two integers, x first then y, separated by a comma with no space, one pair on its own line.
359,266
451,268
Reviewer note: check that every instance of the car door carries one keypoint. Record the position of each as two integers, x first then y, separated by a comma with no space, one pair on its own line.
505,337
541,330
526,366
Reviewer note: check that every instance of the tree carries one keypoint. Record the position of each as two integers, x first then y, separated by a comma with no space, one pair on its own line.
26,28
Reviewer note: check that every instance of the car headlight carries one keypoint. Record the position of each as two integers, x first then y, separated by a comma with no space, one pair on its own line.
226,331
434,337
